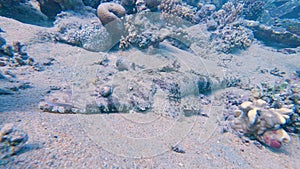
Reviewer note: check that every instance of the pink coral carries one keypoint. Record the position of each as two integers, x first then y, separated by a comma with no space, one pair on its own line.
270,139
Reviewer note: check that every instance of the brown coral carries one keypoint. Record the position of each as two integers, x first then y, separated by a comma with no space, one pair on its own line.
108,12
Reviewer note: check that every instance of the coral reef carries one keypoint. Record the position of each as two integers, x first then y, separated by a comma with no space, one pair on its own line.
141,31
229,13
52,7
202,15
172,9
253,9
13,57
16,8
273,35
283,9
233,37
11,141
229,34
278,23
129,5
92,3
254,120
270,114
152,4
146,29
108,12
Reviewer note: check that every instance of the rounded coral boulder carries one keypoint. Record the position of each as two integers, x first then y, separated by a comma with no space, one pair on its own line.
109,11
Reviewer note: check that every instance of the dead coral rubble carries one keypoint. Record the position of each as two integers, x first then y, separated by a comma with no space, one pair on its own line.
11,140
270,115
12,55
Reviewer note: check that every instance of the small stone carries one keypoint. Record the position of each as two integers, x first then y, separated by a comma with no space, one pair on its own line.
55,87
106,91
178,149
237,113
17,47
211,25
8,50
122,65
180,164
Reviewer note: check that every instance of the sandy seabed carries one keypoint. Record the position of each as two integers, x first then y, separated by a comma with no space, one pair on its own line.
68,141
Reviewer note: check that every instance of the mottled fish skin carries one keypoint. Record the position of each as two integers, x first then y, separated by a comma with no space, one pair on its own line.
47,106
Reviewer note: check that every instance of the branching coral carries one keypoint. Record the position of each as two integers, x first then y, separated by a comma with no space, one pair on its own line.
146,29
231,38
204,13
229,13
175,8
140,31
253,9
229,35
